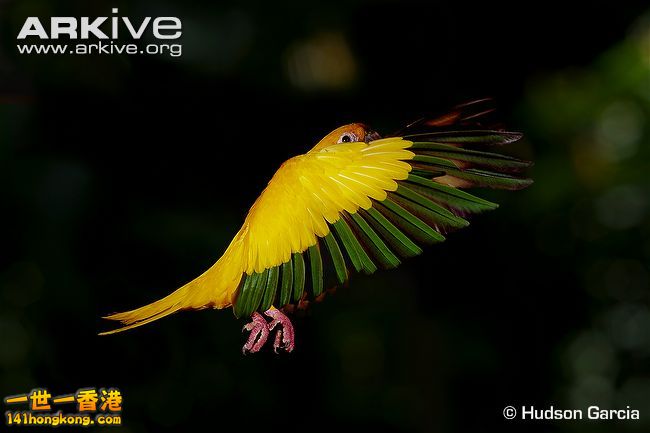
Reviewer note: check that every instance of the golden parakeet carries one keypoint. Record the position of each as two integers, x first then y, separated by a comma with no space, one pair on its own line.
354,201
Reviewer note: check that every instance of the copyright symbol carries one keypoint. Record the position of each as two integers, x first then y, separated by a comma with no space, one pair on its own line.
509,412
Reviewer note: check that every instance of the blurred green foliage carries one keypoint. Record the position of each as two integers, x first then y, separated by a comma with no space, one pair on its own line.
595,205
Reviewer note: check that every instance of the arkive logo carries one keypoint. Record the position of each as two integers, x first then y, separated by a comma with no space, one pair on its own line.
106,31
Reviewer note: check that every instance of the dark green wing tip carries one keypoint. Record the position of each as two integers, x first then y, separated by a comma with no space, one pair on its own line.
522,184
508,137
486,137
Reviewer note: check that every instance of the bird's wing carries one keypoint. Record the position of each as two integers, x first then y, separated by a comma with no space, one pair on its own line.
363,206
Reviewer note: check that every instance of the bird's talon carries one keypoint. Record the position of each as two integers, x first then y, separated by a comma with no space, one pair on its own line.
259,334
284,339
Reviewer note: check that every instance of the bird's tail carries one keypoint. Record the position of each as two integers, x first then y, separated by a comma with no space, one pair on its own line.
214,288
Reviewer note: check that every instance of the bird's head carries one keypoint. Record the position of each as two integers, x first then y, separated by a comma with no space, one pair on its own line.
354,132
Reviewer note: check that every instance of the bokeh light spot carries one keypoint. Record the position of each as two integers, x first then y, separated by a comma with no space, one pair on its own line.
619,130
321,62
622,207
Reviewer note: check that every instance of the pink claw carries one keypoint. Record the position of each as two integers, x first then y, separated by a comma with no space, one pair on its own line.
259,334
284,339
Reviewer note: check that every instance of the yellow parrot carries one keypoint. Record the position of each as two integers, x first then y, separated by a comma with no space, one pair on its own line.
354,201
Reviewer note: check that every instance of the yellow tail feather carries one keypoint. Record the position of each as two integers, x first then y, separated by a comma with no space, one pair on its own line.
214,288
148,313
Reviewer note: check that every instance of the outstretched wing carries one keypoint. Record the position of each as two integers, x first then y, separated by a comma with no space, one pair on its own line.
363,207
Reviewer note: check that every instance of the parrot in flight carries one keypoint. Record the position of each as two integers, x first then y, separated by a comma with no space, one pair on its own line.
355,201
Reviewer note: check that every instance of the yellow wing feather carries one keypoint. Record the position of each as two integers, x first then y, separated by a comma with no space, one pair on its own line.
311,190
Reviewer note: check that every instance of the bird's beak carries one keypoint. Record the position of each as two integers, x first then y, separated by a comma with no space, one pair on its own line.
372,135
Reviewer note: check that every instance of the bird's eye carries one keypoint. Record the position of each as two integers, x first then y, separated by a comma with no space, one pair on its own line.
347,137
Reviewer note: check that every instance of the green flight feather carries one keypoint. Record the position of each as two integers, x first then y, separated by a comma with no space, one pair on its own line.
405,220
259,285
431,218
438,214
243,294
316,267
271,288
286,284
374,243
358,256
478,136
337,257
298,276
401,243
250,294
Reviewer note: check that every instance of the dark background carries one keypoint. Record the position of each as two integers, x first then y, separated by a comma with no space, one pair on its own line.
123,177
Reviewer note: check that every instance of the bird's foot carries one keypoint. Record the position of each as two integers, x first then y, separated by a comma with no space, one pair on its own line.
259,334
284,338
259,329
